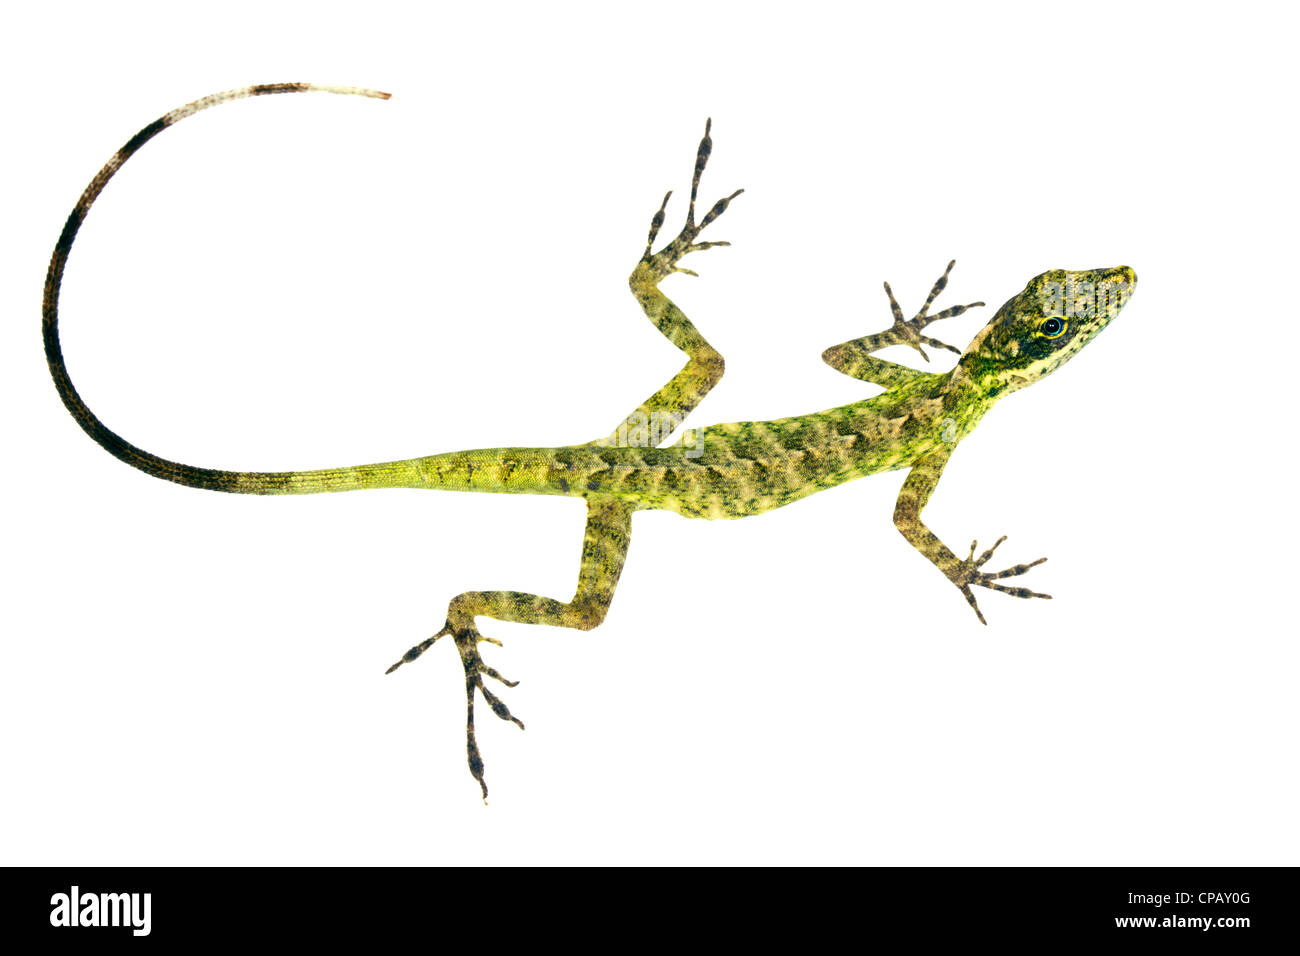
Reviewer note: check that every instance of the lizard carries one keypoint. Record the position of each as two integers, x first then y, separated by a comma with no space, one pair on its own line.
724,471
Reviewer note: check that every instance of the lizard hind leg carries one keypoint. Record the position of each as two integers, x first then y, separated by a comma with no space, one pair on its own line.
604,549
668,407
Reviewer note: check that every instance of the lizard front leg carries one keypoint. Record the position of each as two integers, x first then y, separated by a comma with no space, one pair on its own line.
921,481
672,403
604,549
854,357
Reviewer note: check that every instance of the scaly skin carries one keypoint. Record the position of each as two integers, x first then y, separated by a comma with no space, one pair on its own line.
722,471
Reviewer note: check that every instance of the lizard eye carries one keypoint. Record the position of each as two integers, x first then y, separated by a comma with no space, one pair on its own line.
1052,328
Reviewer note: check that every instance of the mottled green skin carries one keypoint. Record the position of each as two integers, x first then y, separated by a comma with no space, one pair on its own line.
723,471
744,468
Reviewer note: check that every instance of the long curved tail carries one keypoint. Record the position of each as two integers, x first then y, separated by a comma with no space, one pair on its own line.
246,482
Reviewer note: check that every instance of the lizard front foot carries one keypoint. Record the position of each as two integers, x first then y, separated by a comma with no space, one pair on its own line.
968,572
908,331
655,266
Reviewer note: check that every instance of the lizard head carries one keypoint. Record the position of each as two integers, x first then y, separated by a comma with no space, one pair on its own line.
1042,328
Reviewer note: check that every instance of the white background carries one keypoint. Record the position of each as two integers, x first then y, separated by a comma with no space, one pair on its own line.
306,281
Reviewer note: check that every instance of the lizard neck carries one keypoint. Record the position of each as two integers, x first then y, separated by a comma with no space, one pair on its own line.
966,400
983,368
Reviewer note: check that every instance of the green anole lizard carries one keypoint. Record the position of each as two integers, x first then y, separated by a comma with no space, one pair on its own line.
723,471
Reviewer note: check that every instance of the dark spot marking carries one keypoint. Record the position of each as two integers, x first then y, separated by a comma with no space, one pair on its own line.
843,427
142,137
809,466
265,88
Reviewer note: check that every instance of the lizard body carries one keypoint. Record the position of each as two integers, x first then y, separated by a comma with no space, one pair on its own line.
723,471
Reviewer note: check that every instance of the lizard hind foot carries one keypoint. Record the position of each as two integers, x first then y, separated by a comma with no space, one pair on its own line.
467,641
467,638
657,265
